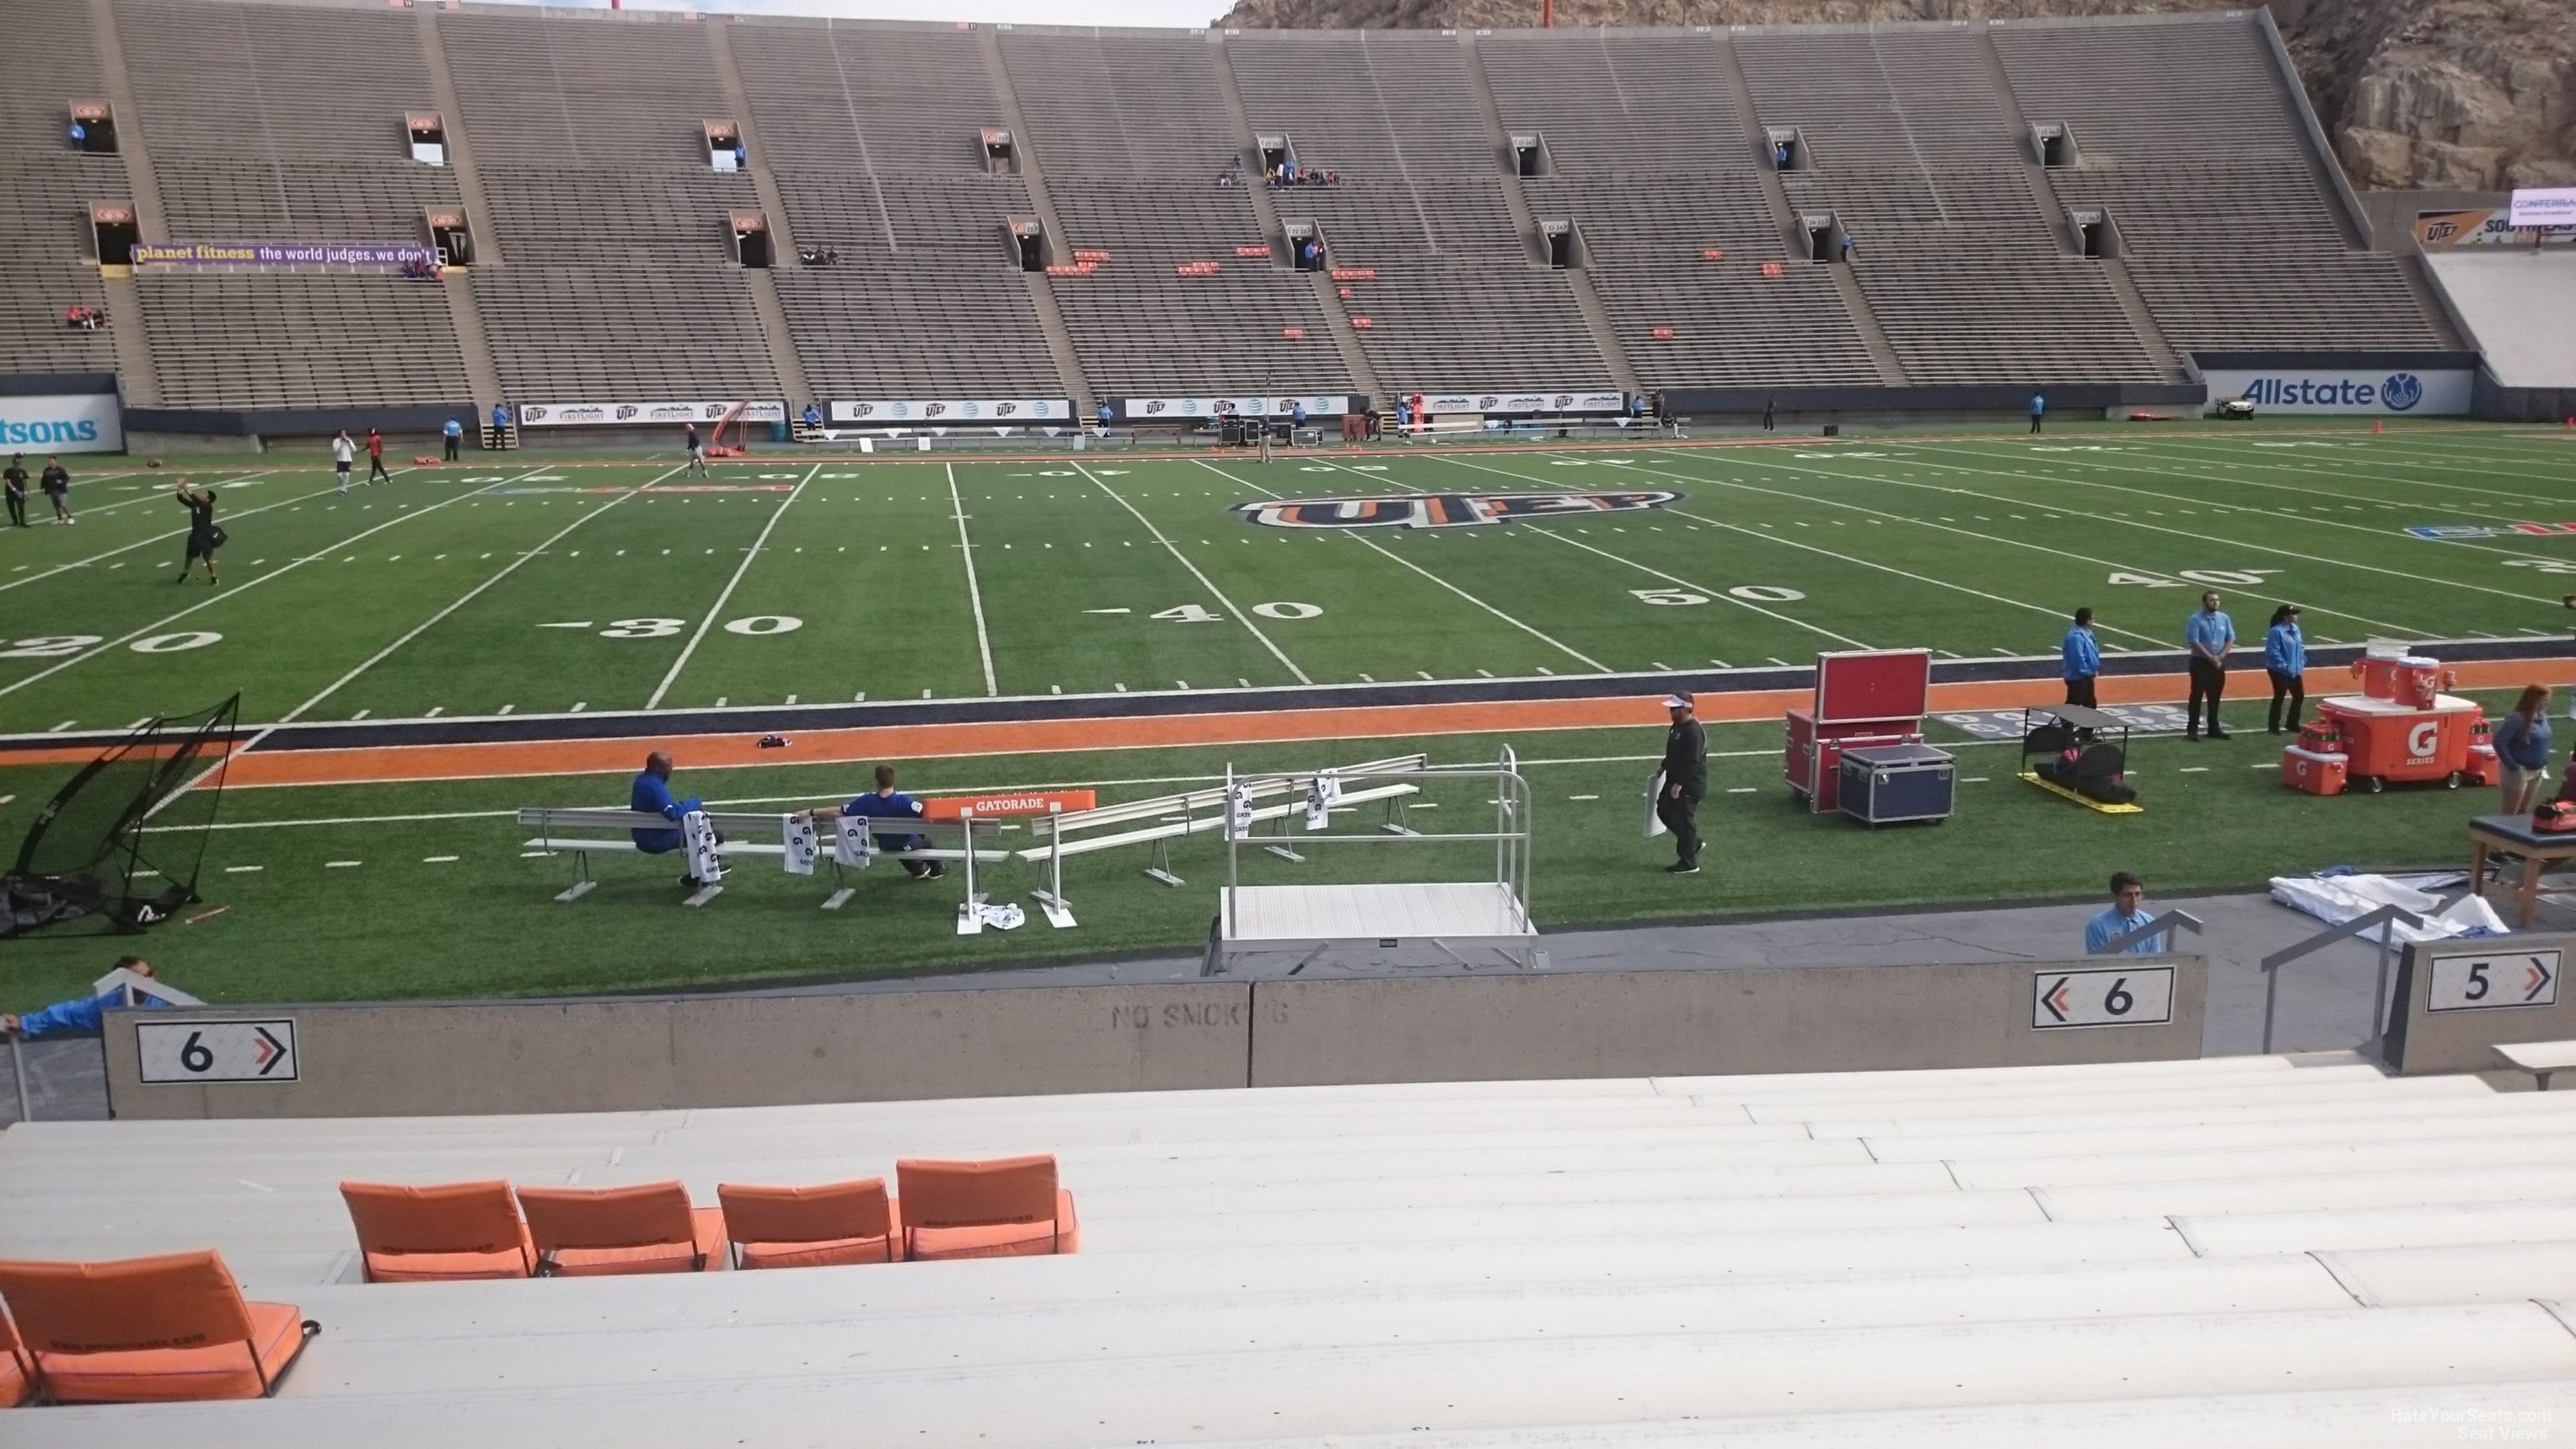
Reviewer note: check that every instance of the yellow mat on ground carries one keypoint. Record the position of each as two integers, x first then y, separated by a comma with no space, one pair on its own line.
2104,807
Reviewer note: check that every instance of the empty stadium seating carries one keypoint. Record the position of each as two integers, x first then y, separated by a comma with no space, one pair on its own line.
2233,1250
586,129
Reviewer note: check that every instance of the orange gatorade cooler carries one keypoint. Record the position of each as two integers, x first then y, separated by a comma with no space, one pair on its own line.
2388,740
2317,763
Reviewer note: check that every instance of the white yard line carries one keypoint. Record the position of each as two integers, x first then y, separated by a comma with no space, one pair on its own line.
1710,590
2294,517
2055,613
730,584
2225,542
1994,538
1560,646
974,591
236,592
1238,615
469,596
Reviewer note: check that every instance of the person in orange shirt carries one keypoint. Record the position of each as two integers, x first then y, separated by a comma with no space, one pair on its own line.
376,457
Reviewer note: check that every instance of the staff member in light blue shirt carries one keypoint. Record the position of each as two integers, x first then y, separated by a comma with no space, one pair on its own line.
2125,913
2038,409
454,433
2285,658
82,1016
2080,661
2209,634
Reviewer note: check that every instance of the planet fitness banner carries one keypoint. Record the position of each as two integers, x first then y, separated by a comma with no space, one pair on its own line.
281,254
2374,391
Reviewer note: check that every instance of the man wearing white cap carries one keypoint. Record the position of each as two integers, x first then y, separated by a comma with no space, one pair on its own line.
1685,781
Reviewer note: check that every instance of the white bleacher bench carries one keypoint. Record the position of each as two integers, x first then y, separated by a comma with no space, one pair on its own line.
1165,818
747,833
2540,1058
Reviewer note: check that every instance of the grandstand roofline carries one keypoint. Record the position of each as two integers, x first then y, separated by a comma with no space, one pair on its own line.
843,22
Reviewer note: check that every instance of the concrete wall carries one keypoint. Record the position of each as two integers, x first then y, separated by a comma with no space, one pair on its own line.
2423,1042
1690,1023
597,1056
396,1060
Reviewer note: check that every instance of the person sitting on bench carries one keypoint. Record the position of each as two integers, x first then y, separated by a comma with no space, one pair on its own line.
652,796
888,803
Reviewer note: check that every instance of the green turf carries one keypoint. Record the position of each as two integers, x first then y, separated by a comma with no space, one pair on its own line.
437,593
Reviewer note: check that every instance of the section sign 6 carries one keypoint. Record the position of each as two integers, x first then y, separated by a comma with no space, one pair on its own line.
2138,996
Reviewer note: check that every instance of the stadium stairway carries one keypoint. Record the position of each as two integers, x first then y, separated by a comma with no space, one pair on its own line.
1730,75
2214,1252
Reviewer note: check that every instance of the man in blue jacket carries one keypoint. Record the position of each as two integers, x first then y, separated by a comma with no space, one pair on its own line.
84,1016
2038,409
888,803
652,796
2080,661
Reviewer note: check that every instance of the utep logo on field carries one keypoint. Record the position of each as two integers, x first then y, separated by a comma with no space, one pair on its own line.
1440,510
2401,391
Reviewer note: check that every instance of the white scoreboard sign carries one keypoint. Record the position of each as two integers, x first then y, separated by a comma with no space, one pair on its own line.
2142,996
2488,980
216,1051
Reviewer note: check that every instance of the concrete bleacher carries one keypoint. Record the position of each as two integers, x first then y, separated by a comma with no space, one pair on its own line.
282,121
603,334
239,342
2221,1251
45,191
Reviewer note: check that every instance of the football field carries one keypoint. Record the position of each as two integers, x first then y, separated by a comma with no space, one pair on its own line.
1137,624
559,587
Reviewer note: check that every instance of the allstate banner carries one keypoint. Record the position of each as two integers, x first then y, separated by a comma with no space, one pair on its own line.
282,254
2544,206
1165,409
1523,402
2382,392
62,423
574,415
877,411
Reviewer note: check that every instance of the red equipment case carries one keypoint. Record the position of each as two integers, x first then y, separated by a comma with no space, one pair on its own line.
1863,698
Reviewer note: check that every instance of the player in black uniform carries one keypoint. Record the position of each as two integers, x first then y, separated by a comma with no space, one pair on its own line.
16,477
1685,781
203,536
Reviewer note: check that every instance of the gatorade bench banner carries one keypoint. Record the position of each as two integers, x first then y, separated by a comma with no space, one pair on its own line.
1167,409
62,423
878,411
282,254
571,415
2376,391
1524,402
1024,802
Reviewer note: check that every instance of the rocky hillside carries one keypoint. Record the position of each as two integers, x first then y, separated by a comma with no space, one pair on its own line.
2475,94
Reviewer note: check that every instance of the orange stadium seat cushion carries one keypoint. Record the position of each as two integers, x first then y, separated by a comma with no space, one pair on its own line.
821,1226
583,1232
439,1233
148,1330
1003,1208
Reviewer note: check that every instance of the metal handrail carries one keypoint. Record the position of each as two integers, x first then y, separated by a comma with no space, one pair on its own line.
18,1074
2169,921
2273,963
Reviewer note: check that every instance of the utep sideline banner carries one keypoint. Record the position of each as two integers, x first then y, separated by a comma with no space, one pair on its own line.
2544,206
2484,227
81,423
1525,401
281,254
2374,391
949,410
574,415
1164,409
